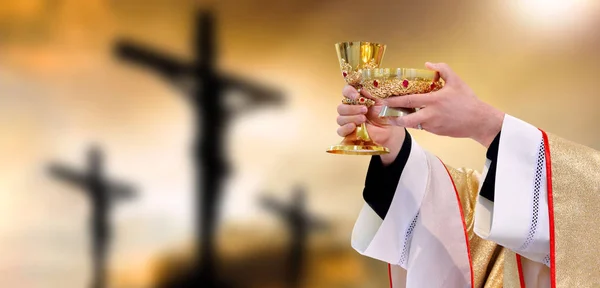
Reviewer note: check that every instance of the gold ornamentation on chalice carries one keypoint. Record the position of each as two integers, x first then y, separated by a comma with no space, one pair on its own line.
354,76
360,101
384,88
384,82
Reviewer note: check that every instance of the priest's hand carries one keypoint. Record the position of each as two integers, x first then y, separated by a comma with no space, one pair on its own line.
453,111
380,130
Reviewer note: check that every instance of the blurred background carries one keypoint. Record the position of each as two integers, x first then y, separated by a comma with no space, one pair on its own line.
63,88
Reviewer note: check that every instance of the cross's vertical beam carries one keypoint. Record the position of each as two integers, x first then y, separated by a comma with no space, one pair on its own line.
210,155
99,225
299,228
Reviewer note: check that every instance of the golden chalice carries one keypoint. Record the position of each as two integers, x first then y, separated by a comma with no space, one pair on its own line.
353,58
359,62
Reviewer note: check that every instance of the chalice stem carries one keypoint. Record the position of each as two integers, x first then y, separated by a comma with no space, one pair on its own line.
362,133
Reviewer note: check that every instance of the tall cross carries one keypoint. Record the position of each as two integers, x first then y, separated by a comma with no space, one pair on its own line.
299,223
102,193
208,99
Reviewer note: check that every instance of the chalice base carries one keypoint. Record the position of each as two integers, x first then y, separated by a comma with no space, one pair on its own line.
351,145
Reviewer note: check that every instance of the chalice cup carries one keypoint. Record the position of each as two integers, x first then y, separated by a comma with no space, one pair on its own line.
354,57
383,83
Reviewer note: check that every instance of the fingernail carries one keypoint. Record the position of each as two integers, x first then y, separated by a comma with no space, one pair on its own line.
364,109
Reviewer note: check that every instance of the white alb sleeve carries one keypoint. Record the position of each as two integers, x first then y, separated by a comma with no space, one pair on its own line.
518,217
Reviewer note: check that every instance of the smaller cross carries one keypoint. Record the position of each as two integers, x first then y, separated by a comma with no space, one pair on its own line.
299,223
102,193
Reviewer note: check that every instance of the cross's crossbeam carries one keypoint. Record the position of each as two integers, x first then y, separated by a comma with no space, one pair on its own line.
294,212
174,69
166,65
116,189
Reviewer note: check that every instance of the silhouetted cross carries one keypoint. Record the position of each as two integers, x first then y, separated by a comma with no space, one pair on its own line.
101,193
209,103
299,223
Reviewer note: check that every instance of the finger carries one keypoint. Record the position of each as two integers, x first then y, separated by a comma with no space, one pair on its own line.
356,119
409,101
445,71
413,119
367,94
346,129
347,110
350,92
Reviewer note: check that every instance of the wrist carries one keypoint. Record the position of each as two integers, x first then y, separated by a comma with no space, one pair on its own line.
394,143
489,126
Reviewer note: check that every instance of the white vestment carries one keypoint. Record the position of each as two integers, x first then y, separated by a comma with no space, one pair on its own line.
424,236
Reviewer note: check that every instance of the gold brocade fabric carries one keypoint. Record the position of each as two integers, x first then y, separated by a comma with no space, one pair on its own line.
576,197
511,270
487,257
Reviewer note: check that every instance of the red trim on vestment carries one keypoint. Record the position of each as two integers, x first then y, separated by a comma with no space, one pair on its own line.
462,217
520,271
390,275
550,211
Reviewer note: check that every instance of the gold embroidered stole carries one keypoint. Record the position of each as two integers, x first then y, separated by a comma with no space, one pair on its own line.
487,257
576,199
